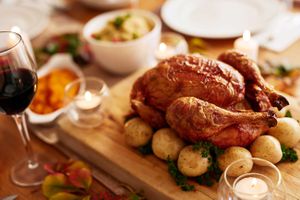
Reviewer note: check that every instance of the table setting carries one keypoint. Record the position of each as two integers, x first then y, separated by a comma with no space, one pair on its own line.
137,99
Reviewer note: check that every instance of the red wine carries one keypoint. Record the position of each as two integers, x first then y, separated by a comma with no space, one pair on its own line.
17,88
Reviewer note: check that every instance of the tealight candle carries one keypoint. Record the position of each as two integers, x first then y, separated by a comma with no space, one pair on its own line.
171,44
88,101
251,188
25,39
164,51
247,45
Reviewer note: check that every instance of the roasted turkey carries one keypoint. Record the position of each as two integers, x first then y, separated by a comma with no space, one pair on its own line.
226,102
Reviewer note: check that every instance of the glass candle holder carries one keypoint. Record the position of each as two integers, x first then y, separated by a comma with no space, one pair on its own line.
251,179
171,44
85,99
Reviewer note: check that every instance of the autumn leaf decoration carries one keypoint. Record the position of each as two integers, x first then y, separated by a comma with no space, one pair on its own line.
72,181
67,181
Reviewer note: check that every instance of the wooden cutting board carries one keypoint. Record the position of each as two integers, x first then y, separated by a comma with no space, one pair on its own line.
105,147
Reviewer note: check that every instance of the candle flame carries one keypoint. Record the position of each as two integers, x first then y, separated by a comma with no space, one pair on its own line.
162,47
88,96
247,35
253,182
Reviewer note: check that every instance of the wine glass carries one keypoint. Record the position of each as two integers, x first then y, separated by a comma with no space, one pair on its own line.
18,84
251,179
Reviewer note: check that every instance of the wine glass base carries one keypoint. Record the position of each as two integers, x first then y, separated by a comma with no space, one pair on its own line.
23,174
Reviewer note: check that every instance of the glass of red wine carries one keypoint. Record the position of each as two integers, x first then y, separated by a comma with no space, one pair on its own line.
18,84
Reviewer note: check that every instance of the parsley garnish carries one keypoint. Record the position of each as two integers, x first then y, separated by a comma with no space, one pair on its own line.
288,154
179,178
146,149
214,173
51,48
208,148
73,42
288,114
118,21
281,71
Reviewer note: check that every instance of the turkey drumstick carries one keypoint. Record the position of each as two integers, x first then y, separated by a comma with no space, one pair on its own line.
195,119
251,73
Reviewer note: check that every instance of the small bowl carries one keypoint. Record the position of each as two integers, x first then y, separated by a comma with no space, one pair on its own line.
106,4
123,57
57,61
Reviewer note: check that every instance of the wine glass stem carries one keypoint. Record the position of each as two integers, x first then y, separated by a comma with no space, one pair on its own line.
23,130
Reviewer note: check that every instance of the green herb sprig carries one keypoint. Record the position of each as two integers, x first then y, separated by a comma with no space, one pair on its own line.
146,149
118,21
288,114
214,172
281,70
179,178
288,154
208,148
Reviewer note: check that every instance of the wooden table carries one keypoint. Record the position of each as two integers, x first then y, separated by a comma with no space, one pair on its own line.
11,147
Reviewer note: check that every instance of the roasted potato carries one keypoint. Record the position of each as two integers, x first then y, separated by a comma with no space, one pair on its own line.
232,154
191,163
287,131
267,147
166,144
137,132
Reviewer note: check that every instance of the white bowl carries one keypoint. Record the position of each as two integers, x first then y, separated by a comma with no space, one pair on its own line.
57,61
123,57
106,4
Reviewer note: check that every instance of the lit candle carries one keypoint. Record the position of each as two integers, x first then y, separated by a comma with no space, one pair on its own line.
164,51
251,188
25,39
247,45
88,101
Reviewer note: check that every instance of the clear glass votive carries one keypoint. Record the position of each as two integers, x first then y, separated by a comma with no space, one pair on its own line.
85,99
258,179
171,44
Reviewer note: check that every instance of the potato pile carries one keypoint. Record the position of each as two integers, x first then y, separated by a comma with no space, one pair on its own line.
166,145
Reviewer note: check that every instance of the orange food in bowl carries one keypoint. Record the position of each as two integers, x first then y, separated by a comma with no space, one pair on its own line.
50,93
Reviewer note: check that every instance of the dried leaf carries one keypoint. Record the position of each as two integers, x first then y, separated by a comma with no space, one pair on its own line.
56,183
53,168
66,196
81,178
73,165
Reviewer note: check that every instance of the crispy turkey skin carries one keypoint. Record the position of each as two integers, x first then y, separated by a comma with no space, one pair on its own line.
191,93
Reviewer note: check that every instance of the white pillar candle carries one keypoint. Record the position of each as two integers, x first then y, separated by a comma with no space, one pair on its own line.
164,51
247,45
88,101
251,188
25,39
